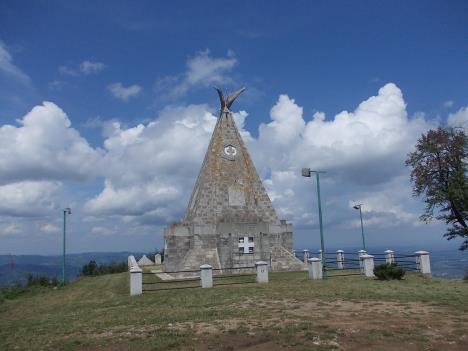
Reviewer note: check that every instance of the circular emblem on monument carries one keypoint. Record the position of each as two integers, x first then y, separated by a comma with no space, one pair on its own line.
230,151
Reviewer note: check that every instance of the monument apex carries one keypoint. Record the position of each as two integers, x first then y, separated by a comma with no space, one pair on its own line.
230,220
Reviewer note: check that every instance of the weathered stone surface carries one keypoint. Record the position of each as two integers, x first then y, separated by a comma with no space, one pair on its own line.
145,261
228,206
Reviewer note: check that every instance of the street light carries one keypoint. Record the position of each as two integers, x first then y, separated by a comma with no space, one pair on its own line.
65,212
306,172
359,207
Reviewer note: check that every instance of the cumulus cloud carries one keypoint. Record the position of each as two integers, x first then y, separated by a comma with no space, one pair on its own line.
151,168
7,66
362,151
104,231
10,229
84,68
43,147
202,70
448,103
124,93
29,198
89,67
459,118
49,228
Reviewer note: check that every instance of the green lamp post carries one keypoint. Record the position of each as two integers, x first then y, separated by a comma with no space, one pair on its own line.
65,212
359,207
306,172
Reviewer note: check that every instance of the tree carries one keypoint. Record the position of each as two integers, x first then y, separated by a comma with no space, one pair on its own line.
439,175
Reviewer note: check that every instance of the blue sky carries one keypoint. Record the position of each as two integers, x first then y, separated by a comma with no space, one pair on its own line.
123,73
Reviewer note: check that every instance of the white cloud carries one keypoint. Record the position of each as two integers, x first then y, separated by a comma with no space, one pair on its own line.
10,229
45,147
84,68
7,67
104,231
448,103
29,199
362,151
202,70
150,169
459,118
124,93
89,67
49,228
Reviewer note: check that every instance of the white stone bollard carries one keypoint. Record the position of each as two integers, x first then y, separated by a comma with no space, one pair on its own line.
262,271
389,256
306,255
360,254
315,268
423,263
340,258
132,262
136,281
206,276
157,259
368,264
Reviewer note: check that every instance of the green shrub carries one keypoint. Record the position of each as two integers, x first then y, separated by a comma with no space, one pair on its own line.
41,280
389,271
93,269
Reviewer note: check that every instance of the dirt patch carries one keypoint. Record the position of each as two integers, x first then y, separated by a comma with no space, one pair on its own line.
338,325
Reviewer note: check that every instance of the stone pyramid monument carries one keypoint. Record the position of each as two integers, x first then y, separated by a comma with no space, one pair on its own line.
230,220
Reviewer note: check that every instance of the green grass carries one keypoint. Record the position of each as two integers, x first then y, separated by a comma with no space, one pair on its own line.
98,312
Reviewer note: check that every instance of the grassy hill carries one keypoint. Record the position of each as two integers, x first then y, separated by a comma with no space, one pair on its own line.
289,313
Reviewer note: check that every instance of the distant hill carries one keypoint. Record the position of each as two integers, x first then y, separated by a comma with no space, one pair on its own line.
15,268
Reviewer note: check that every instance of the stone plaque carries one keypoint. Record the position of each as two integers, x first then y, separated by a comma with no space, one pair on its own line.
236,196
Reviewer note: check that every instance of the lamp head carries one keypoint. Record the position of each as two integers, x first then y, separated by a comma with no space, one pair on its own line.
67,210
357,207
306,172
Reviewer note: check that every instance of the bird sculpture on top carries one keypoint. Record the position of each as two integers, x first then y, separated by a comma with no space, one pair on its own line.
227,102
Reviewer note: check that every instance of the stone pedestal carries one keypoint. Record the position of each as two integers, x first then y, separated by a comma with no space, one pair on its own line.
206,276
157,259
360,254
262,271
368,265
315,268
340,259
136,281
306,255
423,262
389,257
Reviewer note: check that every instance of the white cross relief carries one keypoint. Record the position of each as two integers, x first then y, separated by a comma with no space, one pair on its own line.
246,244
230,150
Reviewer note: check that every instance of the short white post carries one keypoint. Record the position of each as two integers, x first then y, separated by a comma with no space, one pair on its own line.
389,256
340,258
306,255
423,263
315,268
262,271
136,281
157,259
368,264
294,253
206,276
360,254
320,255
